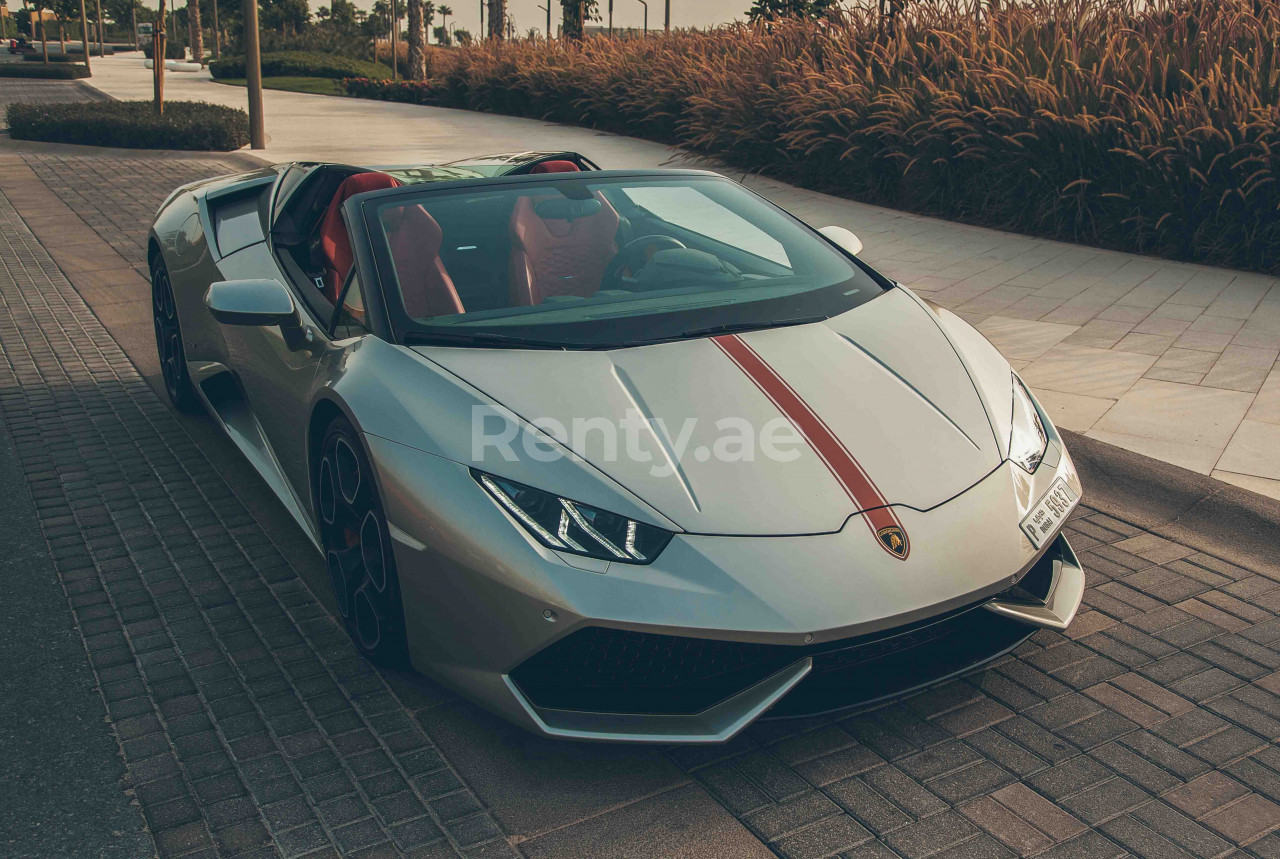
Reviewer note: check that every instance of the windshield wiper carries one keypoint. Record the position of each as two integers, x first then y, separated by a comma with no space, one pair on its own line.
735,328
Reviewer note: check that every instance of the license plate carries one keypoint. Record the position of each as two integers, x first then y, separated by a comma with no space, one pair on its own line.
1048,512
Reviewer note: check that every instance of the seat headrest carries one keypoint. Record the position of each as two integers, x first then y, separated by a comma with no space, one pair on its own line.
564,209
555,167
362,182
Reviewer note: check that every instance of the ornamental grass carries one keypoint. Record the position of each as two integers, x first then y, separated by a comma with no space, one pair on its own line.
1144,126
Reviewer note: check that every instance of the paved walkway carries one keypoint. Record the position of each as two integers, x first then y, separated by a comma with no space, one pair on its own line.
1174,361
248,726
43,92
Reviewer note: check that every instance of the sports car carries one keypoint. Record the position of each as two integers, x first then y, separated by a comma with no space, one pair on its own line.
620,455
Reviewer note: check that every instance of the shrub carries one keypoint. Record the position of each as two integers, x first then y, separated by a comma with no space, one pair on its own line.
59,57
301,64
173,50
61,71
132,124
1121,123
78,50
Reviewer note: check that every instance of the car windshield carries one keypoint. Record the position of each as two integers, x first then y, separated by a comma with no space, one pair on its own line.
594,260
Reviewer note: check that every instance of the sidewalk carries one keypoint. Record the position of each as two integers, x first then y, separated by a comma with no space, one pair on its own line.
1170,360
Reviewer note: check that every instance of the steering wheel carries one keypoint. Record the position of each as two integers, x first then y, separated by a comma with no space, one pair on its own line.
634,255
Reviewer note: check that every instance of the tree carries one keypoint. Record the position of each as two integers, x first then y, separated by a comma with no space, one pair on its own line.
197,33
420,17
497,18
771,10
462,35
445,12
442,36
66,10
576,15
342,17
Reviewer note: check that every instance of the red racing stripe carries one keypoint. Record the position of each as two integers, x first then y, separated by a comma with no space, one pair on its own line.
877,513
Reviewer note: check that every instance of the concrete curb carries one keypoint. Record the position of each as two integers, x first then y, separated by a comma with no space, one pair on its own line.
1180,505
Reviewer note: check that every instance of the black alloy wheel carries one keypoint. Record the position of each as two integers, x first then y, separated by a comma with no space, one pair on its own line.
357,547
173,359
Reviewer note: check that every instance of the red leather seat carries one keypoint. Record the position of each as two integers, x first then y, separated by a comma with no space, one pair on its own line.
555,167
415,240
334,241
559,255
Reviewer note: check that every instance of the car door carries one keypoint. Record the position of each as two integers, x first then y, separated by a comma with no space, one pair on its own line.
277,380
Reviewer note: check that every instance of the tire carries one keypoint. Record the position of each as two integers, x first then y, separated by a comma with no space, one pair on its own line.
173,357
357,547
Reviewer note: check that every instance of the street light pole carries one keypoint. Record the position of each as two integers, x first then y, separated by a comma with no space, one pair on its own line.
134,10
158,50
547,9
646,16
253,74
102,51
666,21
610,17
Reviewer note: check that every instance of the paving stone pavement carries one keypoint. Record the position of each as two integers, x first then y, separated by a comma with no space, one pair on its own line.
115,196
248,723
14,90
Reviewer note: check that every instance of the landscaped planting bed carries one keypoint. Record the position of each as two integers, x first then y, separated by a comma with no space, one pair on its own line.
132,124
301,64
1140,126
60,71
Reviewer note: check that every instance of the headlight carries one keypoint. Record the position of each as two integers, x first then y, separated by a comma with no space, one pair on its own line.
1027,440
568,526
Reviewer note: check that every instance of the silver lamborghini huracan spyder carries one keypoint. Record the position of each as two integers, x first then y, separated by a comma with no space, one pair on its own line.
625,455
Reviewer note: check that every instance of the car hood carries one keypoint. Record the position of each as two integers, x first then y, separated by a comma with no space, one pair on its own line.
682,424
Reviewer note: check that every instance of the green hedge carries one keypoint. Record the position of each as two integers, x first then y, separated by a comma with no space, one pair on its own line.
61,71
58,57
71,55
132,124
301,64
78,50
173,50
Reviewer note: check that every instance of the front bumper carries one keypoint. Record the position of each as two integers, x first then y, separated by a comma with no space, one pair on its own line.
795,625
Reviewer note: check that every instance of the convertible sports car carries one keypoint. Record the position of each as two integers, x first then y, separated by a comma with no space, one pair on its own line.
626,455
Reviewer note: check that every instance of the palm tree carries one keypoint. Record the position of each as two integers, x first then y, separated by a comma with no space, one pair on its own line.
445,12
418,40
497,18
197,33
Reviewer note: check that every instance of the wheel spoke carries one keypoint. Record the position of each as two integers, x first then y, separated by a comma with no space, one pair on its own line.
368,617
328,493
348,468
345,573
371,551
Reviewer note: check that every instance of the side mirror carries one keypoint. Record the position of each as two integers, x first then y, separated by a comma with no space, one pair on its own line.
847,241
257,303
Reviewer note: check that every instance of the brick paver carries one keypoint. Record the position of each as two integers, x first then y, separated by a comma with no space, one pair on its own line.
1152,734
118,197
19,90
246,719
1148,729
